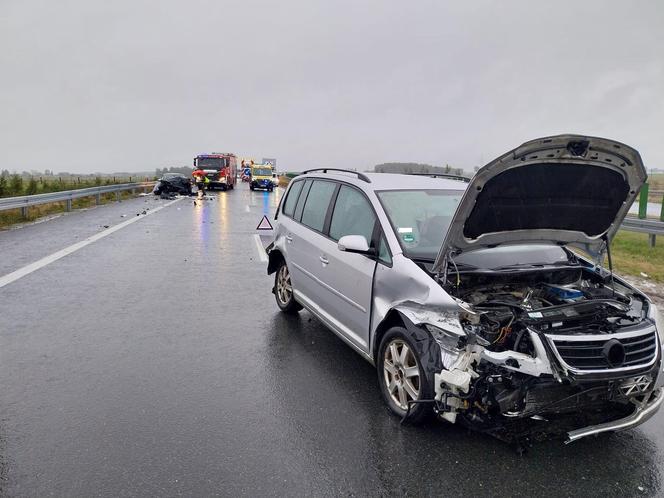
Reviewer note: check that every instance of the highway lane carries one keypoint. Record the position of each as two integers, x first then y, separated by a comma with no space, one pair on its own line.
31,241
153,361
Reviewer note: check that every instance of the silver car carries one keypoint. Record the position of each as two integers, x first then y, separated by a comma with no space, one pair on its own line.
483,301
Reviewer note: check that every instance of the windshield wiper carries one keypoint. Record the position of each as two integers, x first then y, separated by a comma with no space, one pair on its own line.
518,266
464,266
421,260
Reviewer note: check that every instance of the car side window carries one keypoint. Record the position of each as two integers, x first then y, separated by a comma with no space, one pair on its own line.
316,206
302,199
352,215
291,200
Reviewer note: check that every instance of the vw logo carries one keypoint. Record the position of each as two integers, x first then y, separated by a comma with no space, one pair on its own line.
614,353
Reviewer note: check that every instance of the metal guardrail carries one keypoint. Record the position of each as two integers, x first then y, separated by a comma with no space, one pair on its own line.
25,201
652,227
655,227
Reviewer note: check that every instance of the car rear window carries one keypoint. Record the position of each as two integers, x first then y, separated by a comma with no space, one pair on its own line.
291,199
317,204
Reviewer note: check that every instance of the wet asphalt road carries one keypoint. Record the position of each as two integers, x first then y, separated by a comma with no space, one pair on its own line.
154,362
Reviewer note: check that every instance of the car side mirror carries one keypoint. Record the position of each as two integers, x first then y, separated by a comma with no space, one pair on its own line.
354,243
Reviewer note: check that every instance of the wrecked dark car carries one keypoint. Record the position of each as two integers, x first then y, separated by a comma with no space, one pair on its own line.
483,302
173,183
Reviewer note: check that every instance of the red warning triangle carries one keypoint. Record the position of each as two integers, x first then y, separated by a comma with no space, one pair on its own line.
264,224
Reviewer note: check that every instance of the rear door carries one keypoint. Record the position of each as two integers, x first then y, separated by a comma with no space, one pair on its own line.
306,239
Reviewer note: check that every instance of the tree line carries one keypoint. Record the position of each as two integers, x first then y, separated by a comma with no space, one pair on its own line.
15,184
417,168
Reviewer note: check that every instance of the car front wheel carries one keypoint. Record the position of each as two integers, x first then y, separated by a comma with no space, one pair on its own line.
407,362
283,290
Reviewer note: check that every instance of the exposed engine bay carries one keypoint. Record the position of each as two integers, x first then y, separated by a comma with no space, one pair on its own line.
545,351
564,301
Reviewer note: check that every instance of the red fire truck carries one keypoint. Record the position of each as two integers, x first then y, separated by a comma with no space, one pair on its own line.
219,167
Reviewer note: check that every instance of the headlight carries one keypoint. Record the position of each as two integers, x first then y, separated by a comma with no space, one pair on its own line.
654,315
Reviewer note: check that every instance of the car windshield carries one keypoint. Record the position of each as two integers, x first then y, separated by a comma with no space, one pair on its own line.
420,218
210,162
262,172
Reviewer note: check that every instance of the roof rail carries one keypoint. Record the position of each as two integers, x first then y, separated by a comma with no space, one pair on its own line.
361,176
443,175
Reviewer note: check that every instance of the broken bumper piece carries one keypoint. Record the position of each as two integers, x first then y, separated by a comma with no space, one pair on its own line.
642,412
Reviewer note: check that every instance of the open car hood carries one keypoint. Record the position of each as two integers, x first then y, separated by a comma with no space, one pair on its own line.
564,190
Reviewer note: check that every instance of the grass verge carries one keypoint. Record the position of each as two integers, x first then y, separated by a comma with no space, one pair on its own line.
632,255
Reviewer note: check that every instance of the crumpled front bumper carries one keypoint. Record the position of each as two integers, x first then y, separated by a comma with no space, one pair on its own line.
641,413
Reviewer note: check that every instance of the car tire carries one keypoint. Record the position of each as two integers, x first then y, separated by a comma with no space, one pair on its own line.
283,290
408,375
251,187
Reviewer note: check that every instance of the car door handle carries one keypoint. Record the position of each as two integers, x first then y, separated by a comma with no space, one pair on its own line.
289,239
323,260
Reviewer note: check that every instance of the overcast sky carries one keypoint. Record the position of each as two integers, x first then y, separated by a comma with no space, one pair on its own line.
125,85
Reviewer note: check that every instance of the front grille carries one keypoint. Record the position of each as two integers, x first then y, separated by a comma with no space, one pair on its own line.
628,350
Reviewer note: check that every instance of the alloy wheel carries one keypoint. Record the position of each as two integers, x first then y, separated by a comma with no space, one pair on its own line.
401,372
284,287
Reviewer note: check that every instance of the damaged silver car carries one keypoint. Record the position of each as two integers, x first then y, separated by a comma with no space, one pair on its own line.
483,301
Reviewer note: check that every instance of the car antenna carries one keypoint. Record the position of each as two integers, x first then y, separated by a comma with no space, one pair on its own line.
608,255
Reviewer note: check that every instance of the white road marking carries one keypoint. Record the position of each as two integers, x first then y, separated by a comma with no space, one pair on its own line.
32,267
247,209
262,255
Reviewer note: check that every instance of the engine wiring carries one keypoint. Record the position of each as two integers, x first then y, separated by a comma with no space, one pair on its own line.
504,332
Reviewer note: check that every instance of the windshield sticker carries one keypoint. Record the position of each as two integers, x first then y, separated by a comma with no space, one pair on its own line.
405,230
408,237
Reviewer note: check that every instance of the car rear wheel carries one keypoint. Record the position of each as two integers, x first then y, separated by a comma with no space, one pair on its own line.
406,366
283,290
